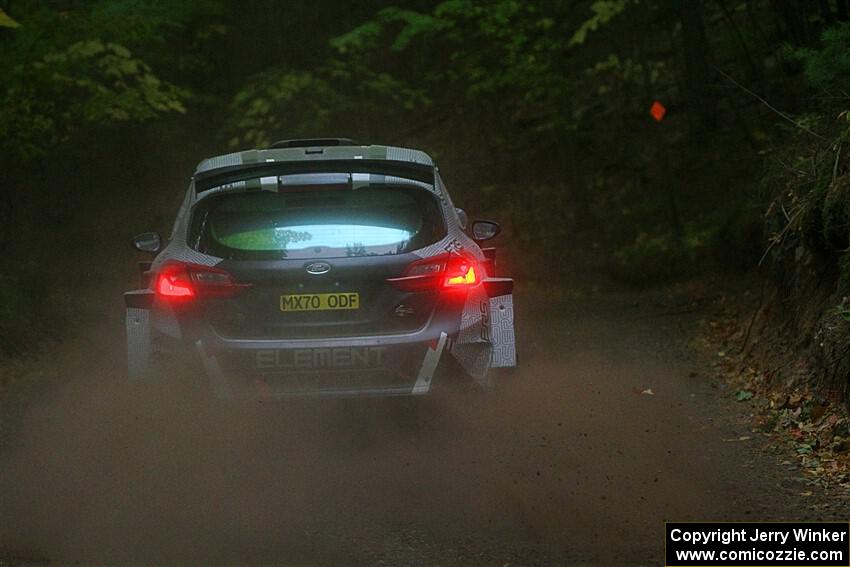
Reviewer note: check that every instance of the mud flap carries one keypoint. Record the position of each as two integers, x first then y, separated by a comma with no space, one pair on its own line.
502,333
472,347
429,366
218,381
138,326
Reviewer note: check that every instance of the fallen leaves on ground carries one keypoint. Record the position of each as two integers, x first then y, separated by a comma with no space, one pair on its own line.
813,429
743,395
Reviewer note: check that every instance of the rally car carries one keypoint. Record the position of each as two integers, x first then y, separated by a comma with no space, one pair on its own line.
321,267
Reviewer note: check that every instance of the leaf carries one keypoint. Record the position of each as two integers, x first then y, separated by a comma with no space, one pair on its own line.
6,21
743,395
119,50
603,12
804,449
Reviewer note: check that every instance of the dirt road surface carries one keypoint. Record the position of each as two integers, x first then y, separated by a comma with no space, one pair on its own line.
570,462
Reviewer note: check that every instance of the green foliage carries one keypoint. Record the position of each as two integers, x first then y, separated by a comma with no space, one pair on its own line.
809,219
827,67
413,25
542,103
146,22
282,102
6,21
87,82
64,71
532,80
603,12
78,79
490,52
743,395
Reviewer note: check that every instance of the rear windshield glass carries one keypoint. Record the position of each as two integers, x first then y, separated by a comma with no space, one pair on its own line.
327,222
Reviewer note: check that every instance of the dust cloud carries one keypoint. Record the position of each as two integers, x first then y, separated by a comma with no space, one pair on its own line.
539,471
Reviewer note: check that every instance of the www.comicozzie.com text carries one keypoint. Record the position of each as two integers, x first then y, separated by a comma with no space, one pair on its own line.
727,536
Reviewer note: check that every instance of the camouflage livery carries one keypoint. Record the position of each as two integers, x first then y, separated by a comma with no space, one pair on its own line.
480,337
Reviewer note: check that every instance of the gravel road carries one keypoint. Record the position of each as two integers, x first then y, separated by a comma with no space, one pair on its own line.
611,426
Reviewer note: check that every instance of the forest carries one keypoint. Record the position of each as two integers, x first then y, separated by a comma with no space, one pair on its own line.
672,180
539,114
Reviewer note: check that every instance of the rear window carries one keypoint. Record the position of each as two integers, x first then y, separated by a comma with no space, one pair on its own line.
321,222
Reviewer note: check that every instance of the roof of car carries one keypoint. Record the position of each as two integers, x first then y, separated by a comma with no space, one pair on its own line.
326,149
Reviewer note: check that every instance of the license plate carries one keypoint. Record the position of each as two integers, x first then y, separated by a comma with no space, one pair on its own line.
320,301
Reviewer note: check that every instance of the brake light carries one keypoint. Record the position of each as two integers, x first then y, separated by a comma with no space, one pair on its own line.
466,278
184,281
448,271
174,284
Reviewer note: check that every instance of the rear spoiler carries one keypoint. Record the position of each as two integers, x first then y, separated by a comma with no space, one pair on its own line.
206,180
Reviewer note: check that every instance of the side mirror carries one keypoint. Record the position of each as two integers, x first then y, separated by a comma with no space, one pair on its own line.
148,242
485,230
461,216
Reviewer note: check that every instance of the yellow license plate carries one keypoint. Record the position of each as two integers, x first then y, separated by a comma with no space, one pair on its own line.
320,301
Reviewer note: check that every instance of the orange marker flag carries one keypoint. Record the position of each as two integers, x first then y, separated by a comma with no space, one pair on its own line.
658,111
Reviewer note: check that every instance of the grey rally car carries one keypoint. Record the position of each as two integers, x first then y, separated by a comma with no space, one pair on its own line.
321,267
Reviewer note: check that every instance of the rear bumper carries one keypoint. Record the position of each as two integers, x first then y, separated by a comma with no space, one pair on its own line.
362,366
425,335
391,364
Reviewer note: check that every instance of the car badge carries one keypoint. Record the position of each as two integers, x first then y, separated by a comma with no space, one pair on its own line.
318,268
403,310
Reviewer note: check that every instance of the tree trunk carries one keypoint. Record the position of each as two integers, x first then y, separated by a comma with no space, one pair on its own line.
698,70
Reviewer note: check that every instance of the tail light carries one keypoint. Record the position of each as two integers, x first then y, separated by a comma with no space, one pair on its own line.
179,280
447,271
